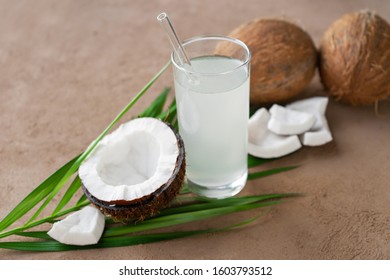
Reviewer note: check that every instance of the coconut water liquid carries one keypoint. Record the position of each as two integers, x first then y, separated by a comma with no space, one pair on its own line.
213,115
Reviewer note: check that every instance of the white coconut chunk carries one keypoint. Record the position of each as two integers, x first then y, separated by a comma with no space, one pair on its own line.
133,161
319,134
317,137
310,105
289,122
264,143
313,105
257,125
84,227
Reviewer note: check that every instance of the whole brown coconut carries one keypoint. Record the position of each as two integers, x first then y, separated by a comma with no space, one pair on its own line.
283,59
355,58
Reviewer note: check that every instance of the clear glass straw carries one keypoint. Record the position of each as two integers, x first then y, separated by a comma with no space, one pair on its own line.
166,24
178,48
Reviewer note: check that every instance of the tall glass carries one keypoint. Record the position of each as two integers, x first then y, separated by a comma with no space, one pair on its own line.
212,100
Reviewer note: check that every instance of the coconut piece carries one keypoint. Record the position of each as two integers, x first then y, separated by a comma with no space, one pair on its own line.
355,58
289,122
283,62
264,143
319,133
317,137
317,104
136,170
314,105
83,227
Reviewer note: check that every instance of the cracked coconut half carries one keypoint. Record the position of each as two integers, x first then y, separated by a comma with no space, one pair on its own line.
135,171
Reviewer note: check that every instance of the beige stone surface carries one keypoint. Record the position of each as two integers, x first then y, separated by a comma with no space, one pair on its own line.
68,67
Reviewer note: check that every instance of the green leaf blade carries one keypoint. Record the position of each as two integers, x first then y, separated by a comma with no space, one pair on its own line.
111,242
182,218
156,107
82,199
35,234
254,161
170,114
205,203
264,173
73,188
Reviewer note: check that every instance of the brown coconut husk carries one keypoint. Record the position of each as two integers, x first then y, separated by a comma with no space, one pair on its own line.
355,58
283,61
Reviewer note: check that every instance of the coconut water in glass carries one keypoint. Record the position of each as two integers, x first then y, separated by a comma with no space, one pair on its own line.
212,99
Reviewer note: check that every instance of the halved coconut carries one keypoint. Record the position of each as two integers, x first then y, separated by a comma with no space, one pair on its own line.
264,143
289,122
136,170
83,227
319,133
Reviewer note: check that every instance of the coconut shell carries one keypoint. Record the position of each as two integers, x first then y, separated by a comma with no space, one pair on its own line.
355,58
149,205
283,59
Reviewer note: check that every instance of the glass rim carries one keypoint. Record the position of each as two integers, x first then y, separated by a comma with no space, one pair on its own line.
214,37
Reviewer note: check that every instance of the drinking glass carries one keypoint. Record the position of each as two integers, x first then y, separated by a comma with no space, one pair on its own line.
212,97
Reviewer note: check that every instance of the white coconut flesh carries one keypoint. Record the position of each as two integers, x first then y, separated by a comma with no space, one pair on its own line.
289,122
311,105
318,137
264,143
319,133
132,162
84,227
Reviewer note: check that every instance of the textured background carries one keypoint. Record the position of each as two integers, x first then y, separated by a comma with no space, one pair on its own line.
68,67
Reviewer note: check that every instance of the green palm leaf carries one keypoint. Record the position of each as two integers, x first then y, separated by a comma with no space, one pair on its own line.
264,173
73,188
185,209
156,107
82,199
182,218
170,114
110,242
